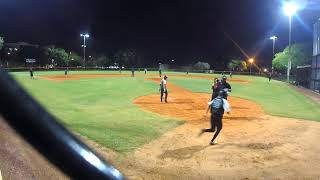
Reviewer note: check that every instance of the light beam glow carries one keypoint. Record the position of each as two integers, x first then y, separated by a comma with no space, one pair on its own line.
290,8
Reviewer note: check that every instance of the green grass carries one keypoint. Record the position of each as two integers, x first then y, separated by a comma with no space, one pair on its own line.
101,108
276,97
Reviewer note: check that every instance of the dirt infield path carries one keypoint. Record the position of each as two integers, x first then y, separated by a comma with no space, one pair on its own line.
252,145
82,76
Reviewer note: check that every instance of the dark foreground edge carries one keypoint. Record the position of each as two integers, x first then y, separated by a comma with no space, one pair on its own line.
49,137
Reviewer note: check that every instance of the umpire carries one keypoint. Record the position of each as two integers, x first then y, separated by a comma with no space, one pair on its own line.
225,86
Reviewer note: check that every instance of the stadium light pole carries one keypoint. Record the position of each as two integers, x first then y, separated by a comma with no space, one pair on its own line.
290,8
84,47
251,60
273,38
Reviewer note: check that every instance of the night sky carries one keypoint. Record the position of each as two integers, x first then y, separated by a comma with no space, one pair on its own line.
184,30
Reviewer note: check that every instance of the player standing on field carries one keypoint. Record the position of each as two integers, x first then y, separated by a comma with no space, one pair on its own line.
270,76
31,73
163,88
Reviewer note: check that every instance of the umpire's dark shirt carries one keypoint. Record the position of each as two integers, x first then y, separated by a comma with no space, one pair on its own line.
225,85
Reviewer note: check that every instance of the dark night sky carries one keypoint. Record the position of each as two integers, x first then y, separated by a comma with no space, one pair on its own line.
186,30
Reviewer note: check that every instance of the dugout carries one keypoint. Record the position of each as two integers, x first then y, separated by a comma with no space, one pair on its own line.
315,65
303,76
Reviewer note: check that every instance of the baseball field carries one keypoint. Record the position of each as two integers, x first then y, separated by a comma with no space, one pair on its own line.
271,132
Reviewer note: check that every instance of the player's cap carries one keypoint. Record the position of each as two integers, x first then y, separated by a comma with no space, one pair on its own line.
165,77
224,77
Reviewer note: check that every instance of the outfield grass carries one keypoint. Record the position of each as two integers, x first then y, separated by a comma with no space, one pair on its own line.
101,108
276,97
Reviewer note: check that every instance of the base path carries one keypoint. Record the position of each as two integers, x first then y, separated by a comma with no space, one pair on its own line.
252,145
85,76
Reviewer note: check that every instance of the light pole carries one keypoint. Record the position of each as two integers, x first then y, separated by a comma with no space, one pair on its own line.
290,8
84,47
251,60
70,58
273,38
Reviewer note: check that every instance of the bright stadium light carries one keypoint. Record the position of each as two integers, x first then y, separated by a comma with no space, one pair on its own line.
251,60
290,8
273,38
84,47
85,35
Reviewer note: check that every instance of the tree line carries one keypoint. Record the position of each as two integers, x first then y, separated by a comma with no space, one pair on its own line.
55,56
301,54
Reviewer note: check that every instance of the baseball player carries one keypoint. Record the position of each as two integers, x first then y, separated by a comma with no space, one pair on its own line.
31,73
270,76
216,86
218,106
225,86
163,88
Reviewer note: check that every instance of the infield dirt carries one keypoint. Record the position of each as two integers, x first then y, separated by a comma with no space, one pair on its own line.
252,145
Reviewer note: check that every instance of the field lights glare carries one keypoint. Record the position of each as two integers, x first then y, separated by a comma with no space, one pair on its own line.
290,8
